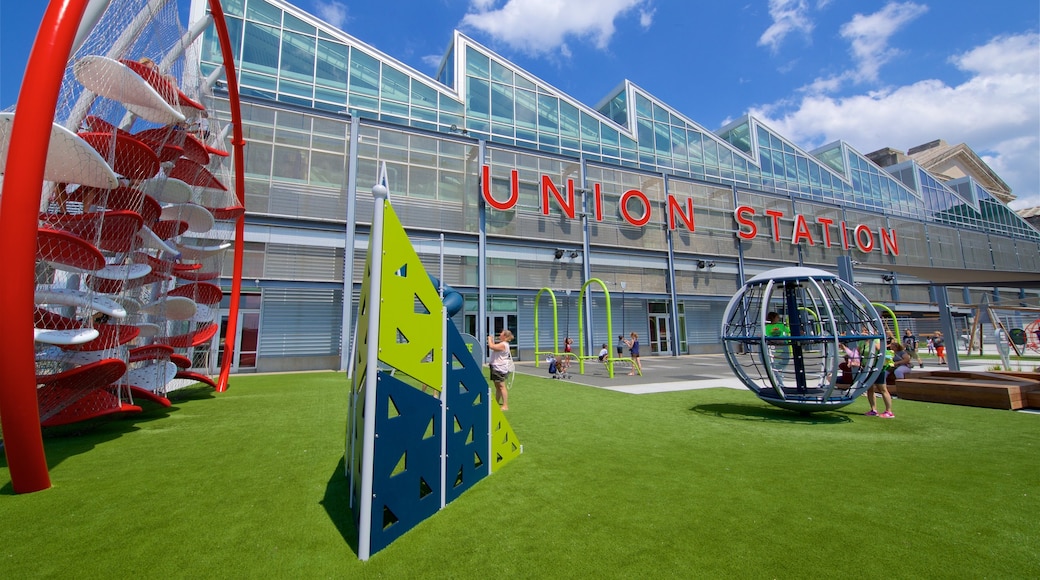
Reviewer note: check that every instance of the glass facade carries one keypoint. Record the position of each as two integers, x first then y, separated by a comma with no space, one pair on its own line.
323,110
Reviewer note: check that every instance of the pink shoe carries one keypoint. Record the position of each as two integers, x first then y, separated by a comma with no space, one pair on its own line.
871,413
887,415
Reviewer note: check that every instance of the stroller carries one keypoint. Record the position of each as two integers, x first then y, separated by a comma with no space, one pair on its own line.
556,369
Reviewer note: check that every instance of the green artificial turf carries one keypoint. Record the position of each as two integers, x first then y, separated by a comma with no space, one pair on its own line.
696,484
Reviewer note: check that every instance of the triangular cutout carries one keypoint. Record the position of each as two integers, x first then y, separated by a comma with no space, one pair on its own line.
419,307
478,400
458,426
389,518
424,488
477,461
402,465
469,437
401,338
430,431
391,408
429,358
458,478
402,271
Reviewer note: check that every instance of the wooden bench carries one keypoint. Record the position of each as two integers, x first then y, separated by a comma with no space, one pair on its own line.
976,389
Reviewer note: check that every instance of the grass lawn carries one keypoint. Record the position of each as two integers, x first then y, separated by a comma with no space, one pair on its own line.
696,484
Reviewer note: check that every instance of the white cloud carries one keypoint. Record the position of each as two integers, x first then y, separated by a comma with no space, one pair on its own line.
333,12
788,16
869,35
544,26
996,112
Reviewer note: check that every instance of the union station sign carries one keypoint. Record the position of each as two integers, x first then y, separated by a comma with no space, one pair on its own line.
680,212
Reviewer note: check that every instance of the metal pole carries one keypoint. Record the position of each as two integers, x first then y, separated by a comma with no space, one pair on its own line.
379,192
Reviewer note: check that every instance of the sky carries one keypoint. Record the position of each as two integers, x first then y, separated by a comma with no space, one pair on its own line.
873,73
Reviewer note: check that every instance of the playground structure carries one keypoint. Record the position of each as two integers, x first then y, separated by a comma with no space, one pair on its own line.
422,426
582,355
1019,337
115,218
798,366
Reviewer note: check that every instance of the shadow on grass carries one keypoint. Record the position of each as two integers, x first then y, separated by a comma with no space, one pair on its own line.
65,441
337,504
743,412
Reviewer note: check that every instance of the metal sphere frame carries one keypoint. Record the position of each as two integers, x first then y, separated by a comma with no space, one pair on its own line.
799,366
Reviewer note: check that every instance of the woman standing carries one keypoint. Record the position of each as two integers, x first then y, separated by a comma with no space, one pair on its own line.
501,365
633,349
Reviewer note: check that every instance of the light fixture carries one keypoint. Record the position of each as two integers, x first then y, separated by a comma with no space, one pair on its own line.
574,254
711,264
558,254
888,277
854,262
701,264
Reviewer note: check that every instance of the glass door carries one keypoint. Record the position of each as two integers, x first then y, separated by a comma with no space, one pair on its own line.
247,335
496,322
660,334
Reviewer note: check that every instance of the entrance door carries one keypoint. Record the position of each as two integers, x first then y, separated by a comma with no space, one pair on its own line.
660,334
247,339
497,322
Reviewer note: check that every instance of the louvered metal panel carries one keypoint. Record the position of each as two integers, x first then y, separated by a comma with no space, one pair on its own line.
293,262
975,246
301,322
944,247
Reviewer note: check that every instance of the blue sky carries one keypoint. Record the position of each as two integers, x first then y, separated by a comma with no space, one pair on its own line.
874,73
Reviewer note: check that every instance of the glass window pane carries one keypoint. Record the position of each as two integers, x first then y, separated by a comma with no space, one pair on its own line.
477,64
395,85
548,113
295,24
479,93
502,103
333,61
327,168
364,74
423,94
260,48
569,119
501,73
289,163
526,109
264,12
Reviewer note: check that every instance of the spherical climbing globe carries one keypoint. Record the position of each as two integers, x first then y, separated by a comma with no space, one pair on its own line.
803,339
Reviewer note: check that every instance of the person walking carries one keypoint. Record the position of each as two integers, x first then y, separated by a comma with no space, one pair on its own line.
501,362
900,358
940,347
633,349
910,345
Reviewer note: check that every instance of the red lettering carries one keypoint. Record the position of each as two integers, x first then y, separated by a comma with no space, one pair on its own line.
866,245
801,230
514,191
827,222
567,205
675,208
844,236
630,194
598,198
889,244
752,231
776,215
